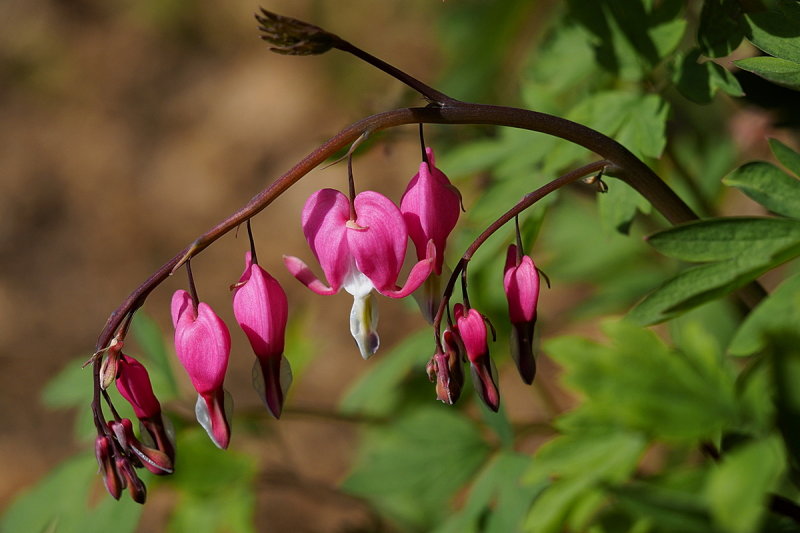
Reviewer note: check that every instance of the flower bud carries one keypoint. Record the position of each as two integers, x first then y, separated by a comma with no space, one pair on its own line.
203,346
472,330
261,309
111,479
521,284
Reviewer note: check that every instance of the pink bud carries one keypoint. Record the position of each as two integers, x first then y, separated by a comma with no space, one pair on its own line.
261,309
521,284
203,345
430,206
133,383
472,329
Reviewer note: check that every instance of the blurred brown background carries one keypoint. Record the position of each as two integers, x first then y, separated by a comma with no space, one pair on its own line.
130,127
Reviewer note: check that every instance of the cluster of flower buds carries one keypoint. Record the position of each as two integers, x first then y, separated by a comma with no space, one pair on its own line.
117,449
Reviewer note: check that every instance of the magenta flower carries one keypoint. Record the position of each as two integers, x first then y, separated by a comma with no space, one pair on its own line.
472,329
430,206
133,383
521,283
359,255
203,345
261,309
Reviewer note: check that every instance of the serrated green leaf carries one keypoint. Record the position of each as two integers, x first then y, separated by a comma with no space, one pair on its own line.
627,381
768,185
643,131
778,312
704,283
788,157
738,487
775,31
60,502
779,71
410,469
727,238
721,29
377,391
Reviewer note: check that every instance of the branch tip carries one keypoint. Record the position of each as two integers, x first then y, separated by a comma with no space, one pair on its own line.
293,37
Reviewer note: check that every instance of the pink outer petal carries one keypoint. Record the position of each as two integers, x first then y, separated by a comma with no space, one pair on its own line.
304,275
472,329
430,207
134,385
261,309
378,242
324,220
203,344
220,427
181,303
419,273
521,283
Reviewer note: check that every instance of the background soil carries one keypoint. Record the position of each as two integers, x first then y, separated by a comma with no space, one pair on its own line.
128,128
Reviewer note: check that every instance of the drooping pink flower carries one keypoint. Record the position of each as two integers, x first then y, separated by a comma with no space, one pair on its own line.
359,255
261,309
133,383
471,326
203,345
430,206
521,284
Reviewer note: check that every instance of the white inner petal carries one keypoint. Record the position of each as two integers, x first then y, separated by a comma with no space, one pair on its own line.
364,324
357,283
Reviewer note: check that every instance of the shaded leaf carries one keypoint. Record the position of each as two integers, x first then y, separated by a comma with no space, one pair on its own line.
768,185
699,80
672,510
776,31
737,489
157,359
721,29
788,157
785,357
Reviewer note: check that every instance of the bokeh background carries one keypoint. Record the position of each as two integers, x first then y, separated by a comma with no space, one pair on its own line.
130,127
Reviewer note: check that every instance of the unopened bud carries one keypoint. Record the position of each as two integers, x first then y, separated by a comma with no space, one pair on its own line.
135,486
111,479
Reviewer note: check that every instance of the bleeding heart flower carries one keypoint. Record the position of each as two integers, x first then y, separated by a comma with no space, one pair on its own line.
133,383
261,309
472,329
430,206
360,255
521,283
203,345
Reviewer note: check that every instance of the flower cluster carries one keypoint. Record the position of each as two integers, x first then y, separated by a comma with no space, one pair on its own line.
360,244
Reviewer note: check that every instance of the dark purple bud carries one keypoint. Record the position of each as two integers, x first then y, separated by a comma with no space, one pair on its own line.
522,350
483,378
156,461
134,485
111,479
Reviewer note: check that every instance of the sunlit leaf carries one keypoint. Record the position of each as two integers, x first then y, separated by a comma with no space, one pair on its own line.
780,71
768,185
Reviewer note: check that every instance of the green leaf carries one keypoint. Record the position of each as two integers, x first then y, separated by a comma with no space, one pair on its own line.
208,471
727,238
619,206
498,494
643,129
410,469
704,283
230,511
785,358
580,463
779,71
738,488
699,81
768,185
788,157
377,392
626,384
672,510
777,313
60,502
721,29
776,31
